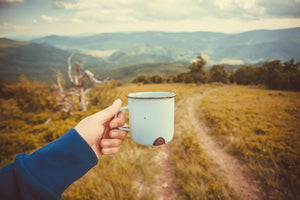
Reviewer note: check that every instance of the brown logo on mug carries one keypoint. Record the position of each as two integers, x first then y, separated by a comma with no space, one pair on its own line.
159,141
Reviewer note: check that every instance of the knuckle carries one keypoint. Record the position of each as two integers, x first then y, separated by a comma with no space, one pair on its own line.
117,142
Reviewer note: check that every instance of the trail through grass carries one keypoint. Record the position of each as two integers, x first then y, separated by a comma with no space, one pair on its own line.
136,172
245,187
195,171
261,128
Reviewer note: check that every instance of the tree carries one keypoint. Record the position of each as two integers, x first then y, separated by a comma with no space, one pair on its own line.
291,66
218,74
141,79
270,74
277,75
244,75
156,79
79,91
290,75
197,71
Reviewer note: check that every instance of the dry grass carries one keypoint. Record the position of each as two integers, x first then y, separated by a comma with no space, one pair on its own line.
260,127
115,176
195,172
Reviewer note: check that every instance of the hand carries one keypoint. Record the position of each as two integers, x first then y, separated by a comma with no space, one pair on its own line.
99,130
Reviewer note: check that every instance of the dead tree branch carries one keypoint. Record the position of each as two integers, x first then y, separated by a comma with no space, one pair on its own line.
78,82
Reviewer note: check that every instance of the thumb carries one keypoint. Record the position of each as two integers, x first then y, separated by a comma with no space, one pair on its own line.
106,114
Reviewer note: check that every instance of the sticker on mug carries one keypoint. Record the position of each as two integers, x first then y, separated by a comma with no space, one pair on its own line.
159,141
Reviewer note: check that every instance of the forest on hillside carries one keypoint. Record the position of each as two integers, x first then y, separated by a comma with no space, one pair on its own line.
273,75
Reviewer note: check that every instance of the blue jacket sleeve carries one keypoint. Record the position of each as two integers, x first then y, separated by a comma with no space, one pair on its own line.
47,172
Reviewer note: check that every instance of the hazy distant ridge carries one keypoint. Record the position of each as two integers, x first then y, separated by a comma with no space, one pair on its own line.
39,62
42,62
139,53
249,47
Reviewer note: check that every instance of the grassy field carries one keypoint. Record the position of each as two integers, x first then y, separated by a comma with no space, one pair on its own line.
115,177
195,173
260,127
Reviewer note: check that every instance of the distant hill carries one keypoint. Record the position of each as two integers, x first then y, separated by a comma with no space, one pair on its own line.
140,47
39,62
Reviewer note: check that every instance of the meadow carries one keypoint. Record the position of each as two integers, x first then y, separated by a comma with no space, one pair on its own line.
260,127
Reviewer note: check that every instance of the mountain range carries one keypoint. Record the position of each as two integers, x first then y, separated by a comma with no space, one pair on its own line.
137,47
123,56
39,62
42,63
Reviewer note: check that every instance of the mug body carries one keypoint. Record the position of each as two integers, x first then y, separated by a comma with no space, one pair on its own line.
151,117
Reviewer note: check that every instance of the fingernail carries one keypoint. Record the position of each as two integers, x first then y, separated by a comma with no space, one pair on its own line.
117,101
114,134
105,143
105,151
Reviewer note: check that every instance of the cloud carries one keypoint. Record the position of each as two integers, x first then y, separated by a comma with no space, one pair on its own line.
237,8
60,4
49,19
174,10
7,26
286,8
122,10
78,21
227,61
9,3
231,61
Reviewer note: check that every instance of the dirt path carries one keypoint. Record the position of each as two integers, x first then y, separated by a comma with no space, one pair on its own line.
232,168
164,187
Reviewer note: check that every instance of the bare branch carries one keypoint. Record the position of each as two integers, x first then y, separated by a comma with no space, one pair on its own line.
67,94
78,70
107,80
87,90
65,97
59,80
90,75
76,82
70,69
73,90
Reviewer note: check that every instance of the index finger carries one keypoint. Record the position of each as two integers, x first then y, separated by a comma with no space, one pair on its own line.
119,120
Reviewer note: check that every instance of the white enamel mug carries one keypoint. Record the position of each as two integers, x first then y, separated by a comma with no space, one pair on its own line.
151,117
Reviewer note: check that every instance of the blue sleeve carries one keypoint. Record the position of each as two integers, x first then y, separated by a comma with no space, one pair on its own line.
47,172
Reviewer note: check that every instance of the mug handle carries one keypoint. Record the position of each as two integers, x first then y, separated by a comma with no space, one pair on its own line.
124,128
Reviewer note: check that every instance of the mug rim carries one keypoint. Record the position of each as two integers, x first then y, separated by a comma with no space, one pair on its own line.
155,95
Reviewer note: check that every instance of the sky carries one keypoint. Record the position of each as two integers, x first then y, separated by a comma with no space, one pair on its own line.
33,18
